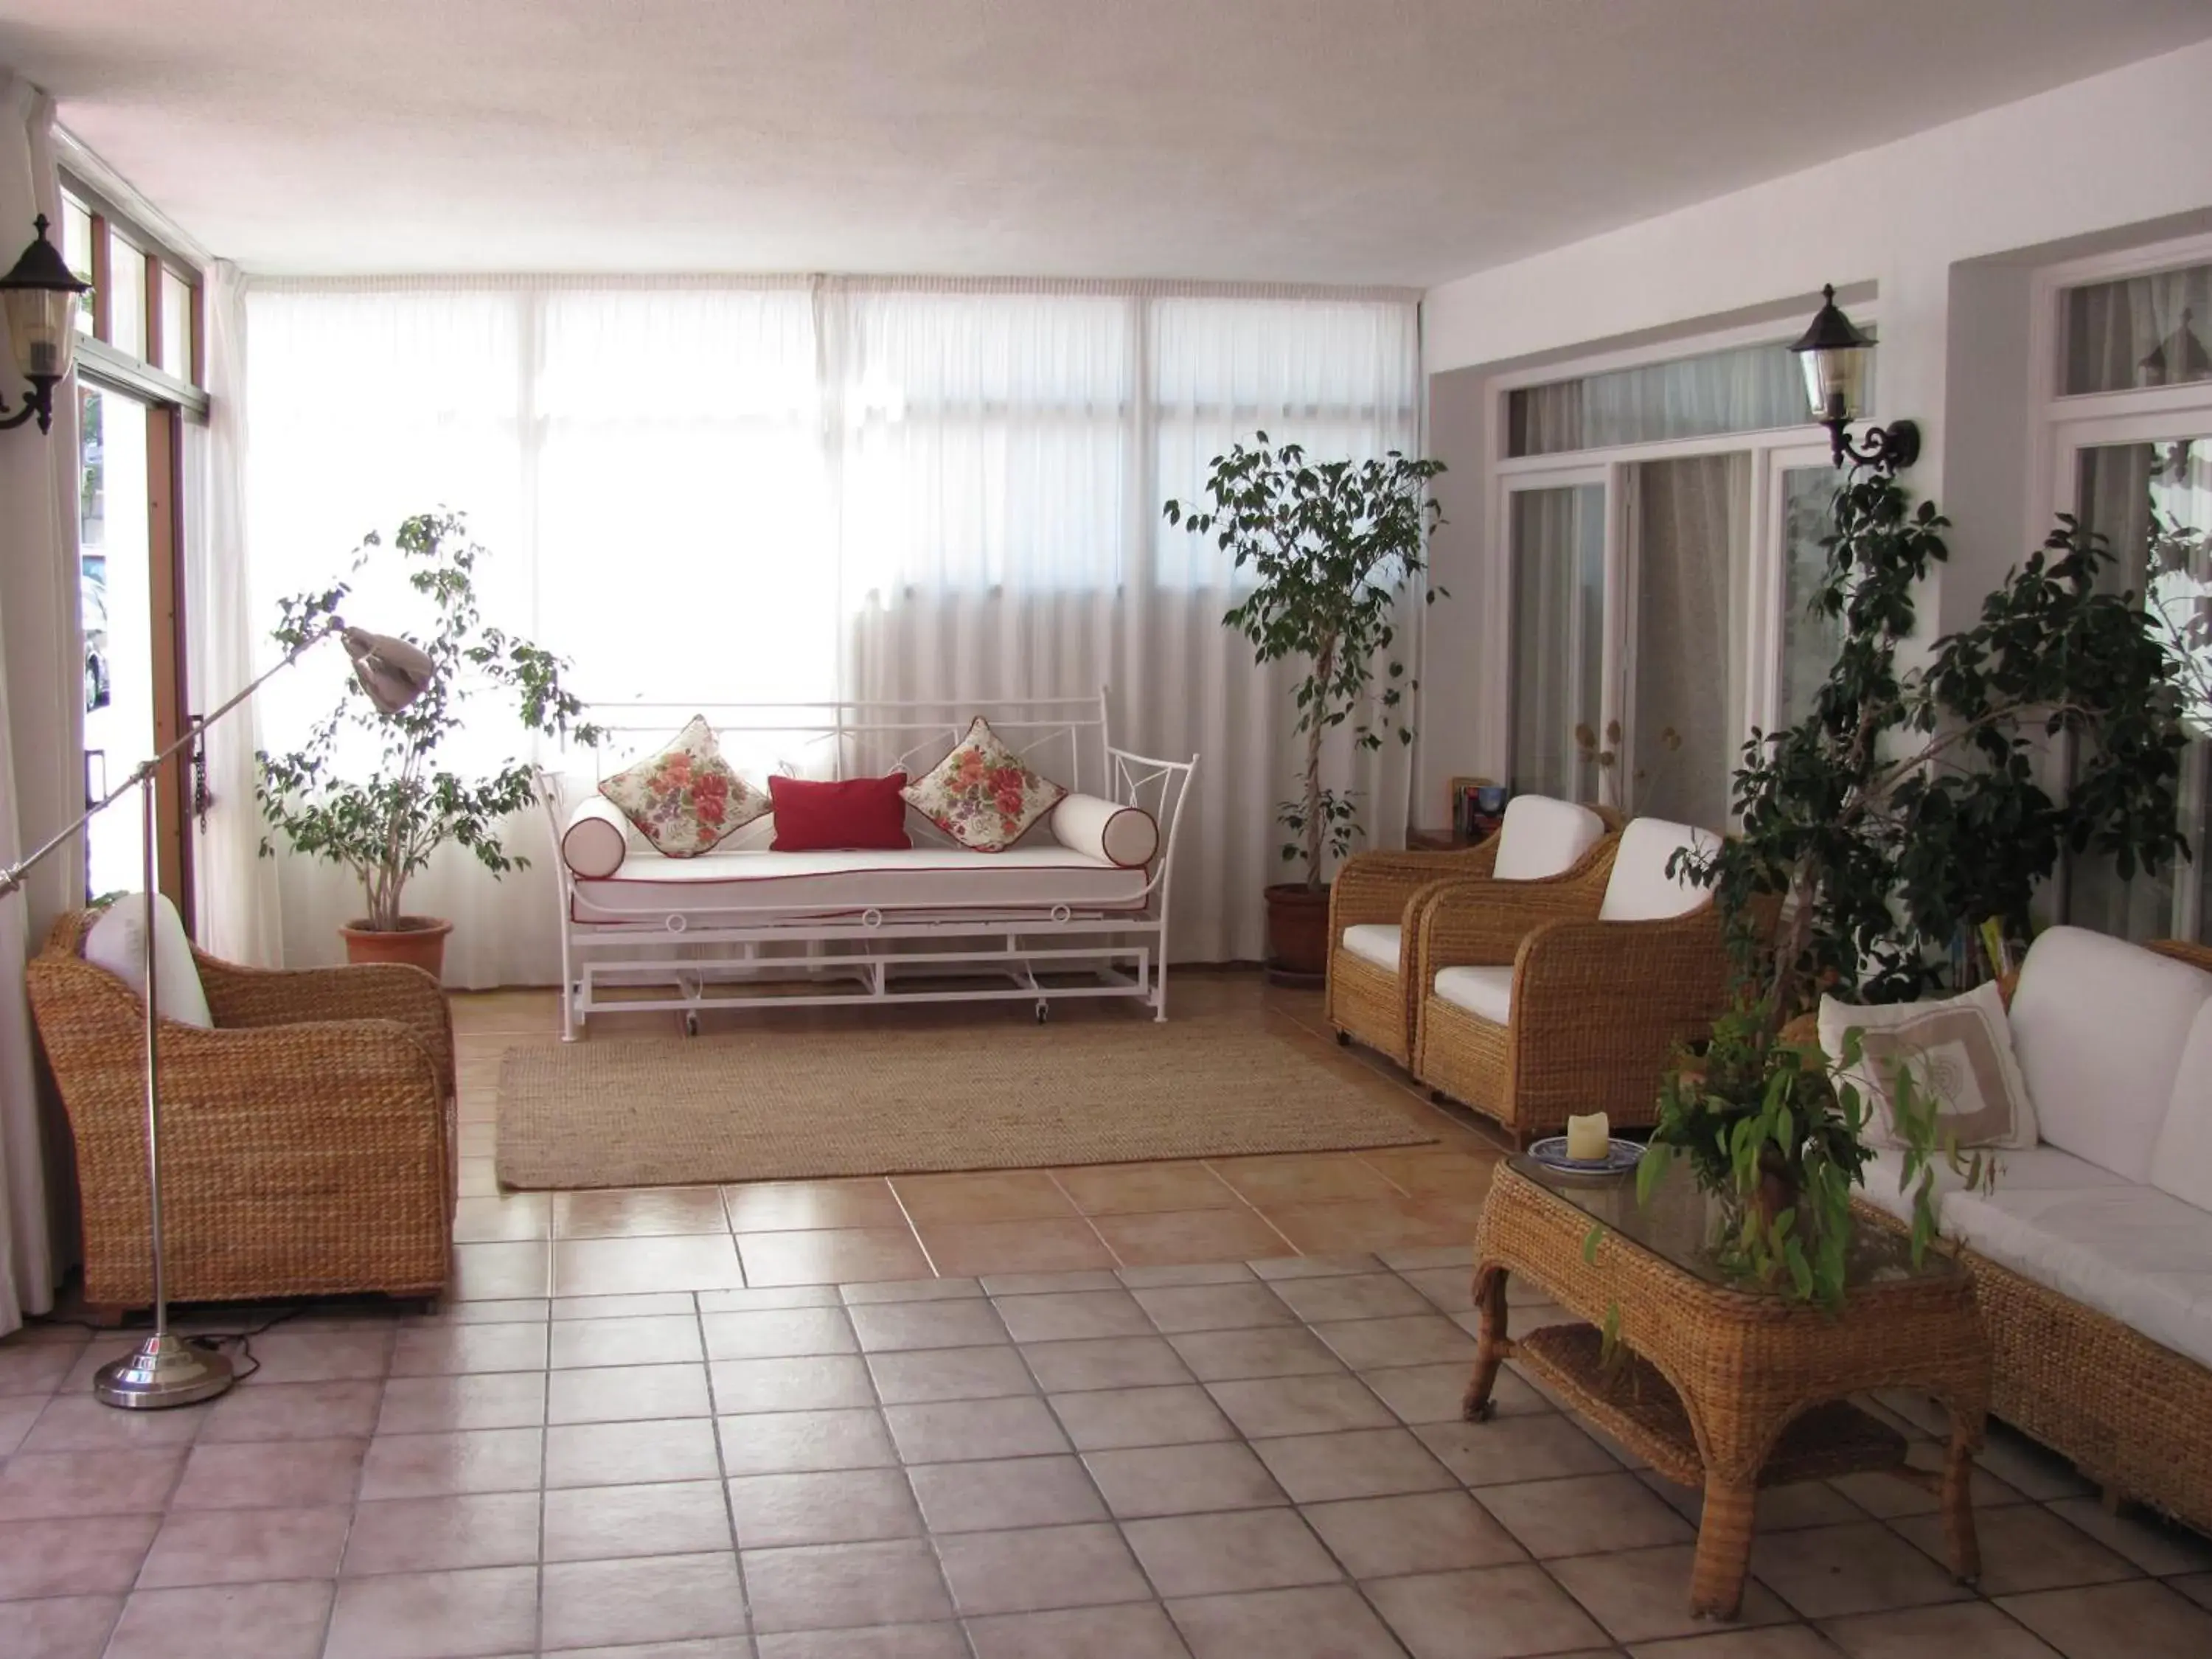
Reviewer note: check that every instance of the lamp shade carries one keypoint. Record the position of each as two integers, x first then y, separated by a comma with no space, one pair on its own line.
394,673
1834,355
38,298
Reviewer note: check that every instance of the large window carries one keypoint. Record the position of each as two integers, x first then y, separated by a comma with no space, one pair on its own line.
2128,452
1663,524
138,380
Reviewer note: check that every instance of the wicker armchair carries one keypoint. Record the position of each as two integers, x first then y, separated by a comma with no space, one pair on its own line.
1373,991
1553,998
307,1140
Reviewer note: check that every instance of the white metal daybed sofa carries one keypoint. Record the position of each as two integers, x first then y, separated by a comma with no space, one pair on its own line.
1079,908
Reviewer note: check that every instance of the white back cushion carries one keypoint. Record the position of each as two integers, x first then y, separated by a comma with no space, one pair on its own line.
2098,1026
1542,836
1640,889
1378,942
117,942
2181,1159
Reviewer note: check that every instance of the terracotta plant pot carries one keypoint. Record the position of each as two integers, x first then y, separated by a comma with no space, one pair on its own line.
1297,934
418,941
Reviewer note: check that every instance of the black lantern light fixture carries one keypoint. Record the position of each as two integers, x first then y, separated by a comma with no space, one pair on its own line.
1835,353
38,298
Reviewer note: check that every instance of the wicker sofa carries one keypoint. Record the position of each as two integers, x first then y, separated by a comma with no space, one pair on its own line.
2091,1256
1547,999
1377,902
308,1136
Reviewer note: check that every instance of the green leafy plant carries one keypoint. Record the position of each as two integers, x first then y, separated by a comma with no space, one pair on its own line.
384,825
1330,546
1907,806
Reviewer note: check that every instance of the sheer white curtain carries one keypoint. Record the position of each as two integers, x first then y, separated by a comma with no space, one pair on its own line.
1693,522
876,488
41,680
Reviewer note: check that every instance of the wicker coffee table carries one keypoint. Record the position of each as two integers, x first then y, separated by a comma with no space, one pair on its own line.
1718,1385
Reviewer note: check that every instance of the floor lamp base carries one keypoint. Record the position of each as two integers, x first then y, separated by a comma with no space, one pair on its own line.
165,1370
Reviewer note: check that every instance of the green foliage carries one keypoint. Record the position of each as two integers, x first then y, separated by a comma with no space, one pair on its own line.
1908,806
1330,546
1910,802
384,827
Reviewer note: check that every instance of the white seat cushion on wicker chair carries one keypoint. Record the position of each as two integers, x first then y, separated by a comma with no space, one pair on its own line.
2138,1254
1375,942
1640,889
1542,837
1487,992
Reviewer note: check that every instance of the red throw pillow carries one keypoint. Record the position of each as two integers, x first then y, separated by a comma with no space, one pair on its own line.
856,814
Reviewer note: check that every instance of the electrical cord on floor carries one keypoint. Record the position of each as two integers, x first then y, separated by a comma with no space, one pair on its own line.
239,1342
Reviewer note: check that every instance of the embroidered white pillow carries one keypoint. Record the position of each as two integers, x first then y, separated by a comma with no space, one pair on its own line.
117,942
982,794
1958,1049
686,799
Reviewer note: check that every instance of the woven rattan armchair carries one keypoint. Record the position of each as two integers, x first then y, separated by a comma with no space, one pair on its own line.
1370,1003
1577,1005
307,1140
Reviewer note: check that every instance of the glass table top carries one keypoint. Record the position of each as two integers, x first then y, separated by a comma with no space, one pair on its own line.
1683,1226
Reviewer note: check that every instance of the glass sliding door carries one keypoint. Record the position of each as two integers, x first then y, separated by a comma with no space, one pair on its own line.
1809,642
1689,525
2152,500
1557,541
117,614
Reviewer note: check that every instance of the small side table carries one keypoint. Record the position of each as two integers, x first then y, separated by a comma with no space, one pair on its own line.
1720,1386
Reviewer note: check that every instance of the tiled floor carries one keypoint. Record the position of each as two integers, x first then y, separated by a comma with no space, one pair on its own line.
1261,1460
792,1422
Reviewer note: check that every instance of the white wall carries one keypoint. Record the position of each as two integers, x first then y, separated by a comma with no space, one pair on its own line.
1959,211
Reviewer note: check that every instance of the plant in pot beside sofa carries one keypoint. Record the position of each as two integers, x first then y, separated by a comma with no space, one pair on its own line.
1906,811
374,793
1329,548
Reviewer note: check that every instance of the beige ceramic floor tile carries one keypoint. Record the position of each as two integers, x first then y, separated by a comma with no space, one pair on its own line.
1132,1630
1187,1480
2142,1620
270,1621
1189,1236
773,1206
2024,1546
1489,1613
1014,1246
1328,1621
1220,1554
1147,1188
916,1376
1958,1630
837,1255
1643,1595
1418,1532
1829,1572
1005,1195
842,1506
1039,1570
666,1598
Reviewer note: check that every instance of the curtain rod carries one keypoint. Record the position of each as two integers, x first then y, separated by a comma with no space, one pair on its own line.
786,281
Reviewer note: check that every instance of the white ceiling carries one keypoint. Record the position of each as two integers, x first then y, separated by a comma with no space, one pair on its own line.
1371,140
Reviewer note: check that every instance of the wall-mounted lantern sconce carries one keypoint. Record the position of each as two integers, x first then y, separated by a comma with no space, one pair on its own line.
1835,353
38,298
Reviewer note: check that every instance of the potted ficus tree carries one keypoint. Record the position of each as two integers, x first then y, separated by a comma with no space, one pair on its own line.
1329,548
1906,810
382,817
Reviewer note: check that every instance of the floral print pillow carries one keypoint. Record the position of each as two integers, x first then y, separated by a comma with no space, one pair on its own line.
981,794
686,799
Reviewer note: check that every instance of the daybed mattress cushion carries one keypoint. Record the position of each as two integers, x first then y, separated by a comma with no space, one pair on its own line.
2032,1169
1375,942
763,885
2136,1254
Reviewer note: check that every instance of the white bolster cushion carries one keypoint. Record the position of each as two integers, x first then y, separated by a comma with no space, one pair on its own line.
596,839
1125,836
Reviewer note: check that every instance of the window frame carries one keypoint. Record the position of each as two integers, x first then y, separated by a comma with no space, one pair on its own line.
1772,450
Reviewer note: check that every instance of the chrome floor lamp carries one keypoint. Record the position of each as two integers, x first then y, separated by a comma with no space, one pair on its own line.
167,1370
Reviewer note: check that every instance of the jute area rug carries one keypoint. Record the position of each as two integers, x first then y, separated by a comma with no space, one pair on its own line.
783,1105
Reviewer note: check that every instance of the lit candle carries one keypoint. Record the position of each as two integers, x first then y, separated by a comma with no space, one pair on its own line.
1590,1138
